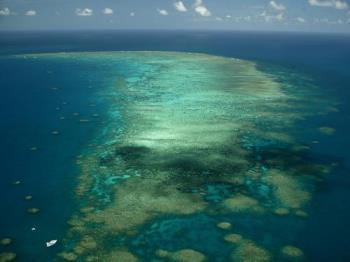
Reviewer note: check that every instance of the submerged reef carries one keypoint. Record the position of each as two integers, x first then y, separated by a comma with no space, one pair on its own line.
233,238
184,255
29,197
292,252
6,241
287,189
68,256
33,210
242,203
224,225
7,257
186,134
327,130
281,211
147,199
121,256
248,251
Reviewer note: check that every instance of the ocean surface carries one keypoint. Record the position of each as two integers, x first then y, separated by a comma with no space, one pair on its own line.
125,144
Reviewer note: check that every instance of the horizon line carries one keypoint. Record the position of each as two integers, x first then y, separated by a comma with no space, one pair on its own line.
173,30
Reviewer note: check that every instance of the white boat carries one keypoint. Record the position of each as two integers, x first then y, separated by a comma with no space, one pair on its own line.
51,243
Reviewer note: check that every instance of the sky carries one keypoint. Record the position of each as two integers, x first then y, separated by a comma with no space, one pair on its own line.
278,15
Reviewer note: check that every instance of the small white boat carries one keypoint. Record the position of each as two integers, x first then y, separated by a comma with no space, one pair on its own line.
51,243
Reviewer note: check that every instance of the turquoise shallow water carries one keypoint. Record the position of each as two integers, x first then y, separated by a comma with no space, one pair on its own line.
94,84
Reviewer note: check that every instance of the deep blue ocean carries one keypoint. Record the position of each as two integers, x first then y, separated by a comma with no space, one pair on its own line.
35,103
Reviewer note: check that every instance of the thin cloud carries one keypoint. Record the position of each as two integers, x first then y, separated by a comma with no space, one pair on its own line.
243,19
337,4
247,18
108,11
280,17
84,12
301,20
327,21
269,17
341,5
132,14
179,6
201,9
30,13
277,7
5,11
162,12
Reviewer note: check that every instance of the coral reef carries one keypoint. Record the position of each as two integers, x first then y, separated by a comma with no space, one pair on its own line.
301,213
119,255
184,255
293,252
287,189
221,146
162,253
33,210
233,238
248,251
6,241
7,257
242,203
68,256
224,225
327,130
138,200
28,197
281,211
88,242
